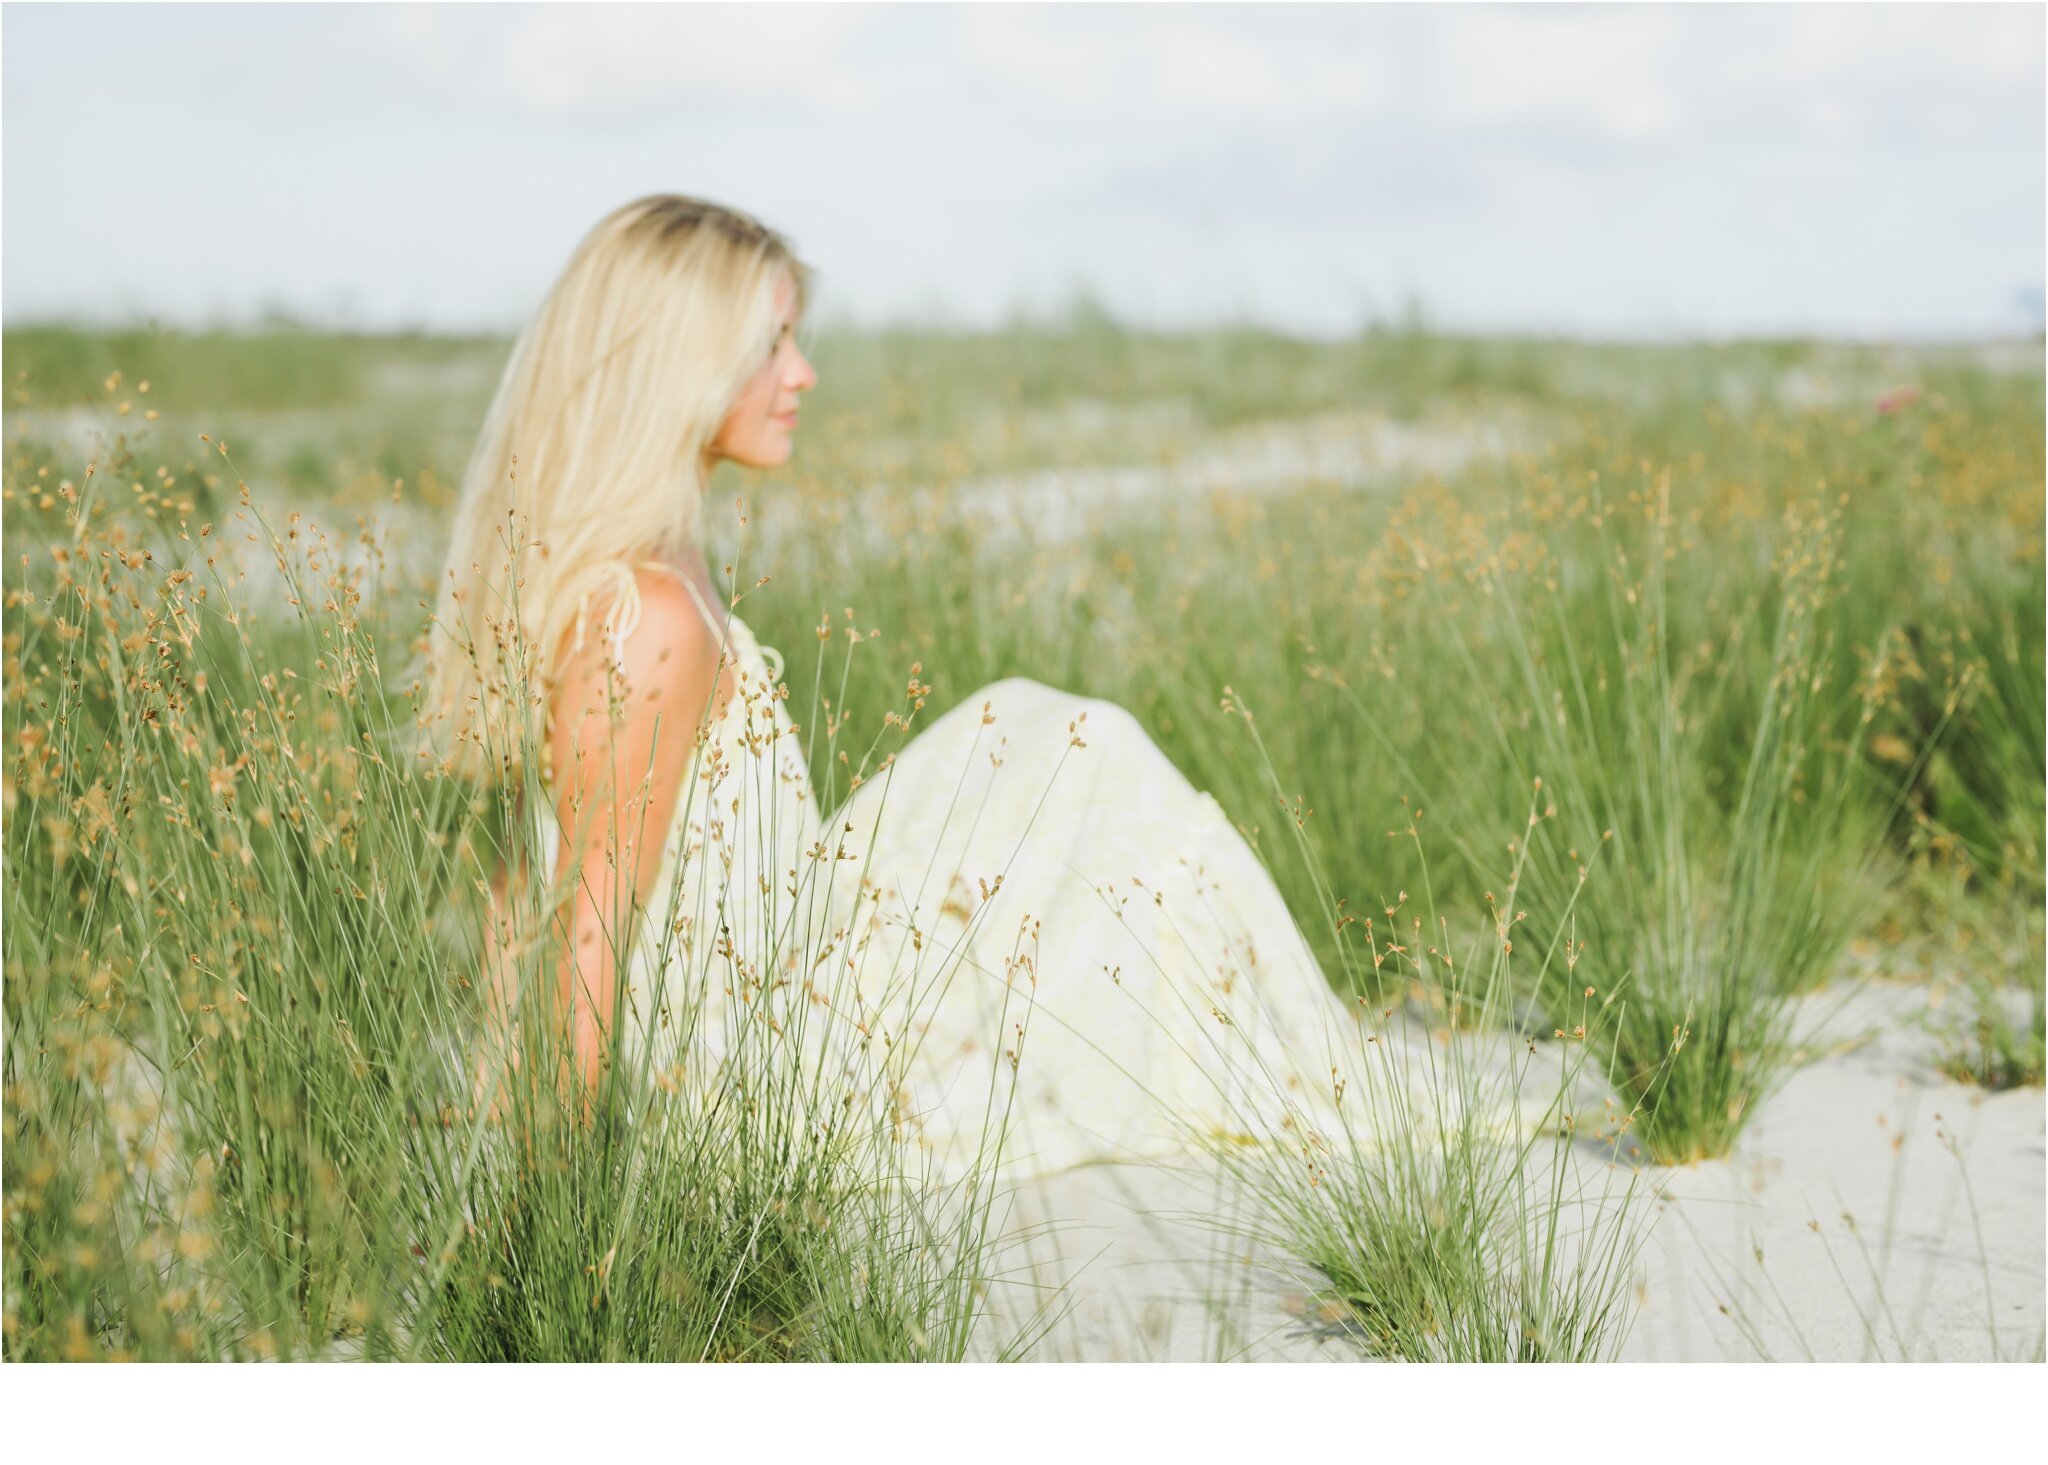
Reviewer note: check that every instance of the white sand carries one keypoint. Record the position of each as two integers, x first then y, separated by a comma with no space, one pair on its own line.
1851,1143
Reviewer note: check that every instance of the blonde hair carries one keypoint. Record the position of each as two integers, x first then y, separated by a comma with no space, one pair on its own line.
592,456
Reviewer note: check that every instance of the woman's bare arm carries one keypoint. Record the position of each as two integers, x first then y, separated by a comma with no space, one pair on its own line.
619,773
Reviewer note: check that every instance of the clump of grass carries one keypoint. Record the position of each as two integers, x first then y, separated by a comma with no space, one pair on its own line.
1717,908
1992,1047
1985,817
1733,920
1442,1221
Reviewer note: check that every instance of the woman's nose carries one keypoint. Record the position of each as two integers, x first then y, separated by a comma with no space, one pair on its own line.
806,376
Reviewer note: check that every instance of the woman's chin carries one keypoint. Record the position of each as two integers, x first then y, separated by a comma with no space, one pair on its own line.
765,457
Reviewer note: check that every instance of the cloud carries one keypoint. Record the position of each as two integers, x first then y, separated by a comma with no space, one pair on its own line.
1148,78
1684,75
611,63
1223,64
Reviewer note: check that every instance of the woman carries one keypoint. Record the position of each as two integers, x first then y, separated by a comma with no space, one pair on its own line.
1030,913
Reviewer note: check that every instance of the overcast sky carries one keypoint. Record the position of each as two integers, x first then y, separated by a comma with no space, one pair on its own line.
1598,169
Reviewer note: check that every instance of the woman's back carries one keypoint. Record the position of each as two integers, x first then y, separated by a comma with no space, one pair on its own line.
722,901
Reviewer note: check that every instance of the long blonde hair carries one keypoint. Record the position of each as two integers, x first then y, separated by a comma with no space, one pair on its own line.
592,456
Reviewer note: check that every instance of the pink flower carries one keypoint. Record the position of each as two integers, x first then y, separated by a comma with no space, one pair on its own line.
1891,401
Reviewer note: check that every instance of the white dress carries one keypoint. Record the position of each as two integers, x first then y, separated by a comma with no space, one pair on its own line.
1029,921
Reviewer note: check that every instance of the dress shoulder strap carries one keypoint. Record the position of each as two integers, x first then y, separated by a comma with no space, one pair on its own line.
770,657
710,618
625,611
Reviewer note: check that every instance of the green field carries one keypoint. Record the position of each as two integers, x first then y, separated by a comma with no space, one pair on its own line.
1625,694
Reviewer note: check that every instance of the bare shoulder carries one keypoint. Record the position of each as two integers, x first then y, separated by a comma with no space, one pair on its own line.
653,650
626,713
672,636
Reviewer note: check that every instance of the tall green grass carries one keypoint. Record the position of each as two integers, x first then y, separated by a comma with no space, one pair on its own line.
242,940
245,946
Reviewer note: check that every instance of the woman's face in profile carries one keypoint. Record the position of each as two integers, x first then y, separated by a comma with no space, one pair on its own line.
761,427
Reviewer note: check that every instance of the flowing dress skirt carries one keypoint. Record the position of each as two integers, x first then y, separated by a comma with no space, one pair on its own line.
1080,945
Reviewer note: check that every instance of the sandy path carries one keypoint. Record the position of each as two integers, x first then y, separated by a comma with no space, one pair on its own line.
1348,450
